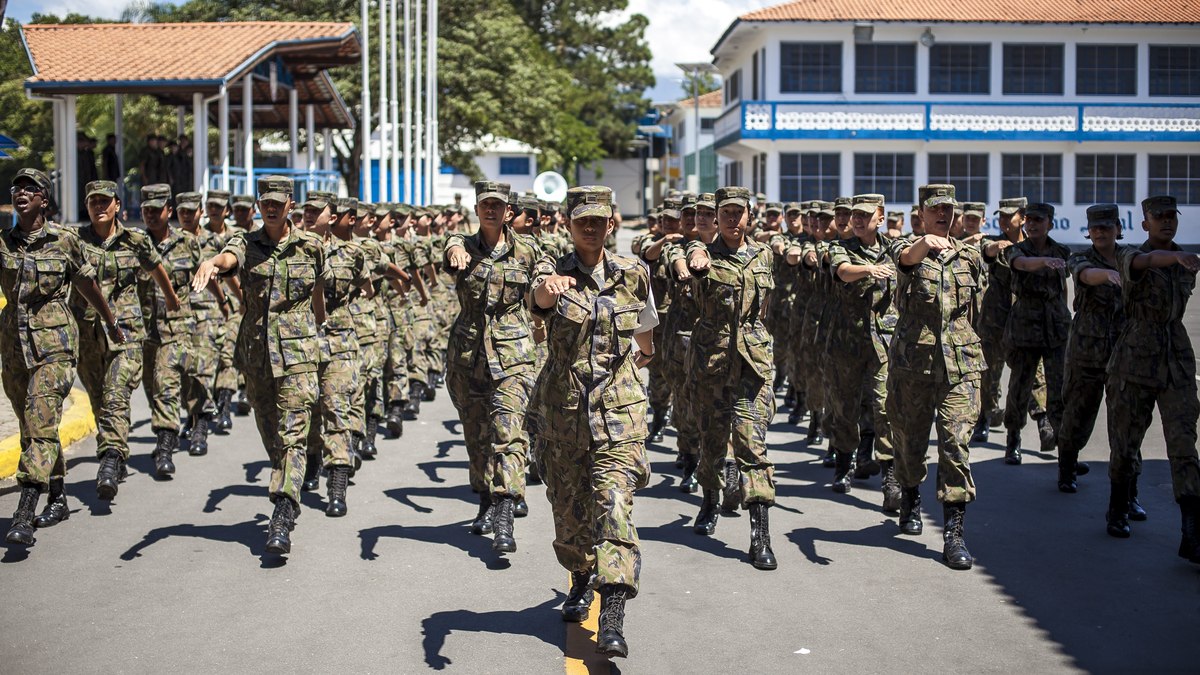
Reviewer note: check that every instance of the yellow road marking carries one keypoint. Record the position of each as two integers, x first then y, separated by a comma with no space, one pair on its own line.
581,657
77,422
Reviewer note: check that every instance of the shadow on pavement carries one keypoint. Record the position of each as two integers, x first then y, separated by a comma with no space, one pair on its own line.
884,535
680,532
451,534
404,495
250,533
431,469
540,622
443,447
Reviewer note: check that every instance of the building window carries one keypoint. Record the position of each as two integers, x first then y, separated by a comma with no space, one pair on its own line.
1036,177
967,173
733,173
809,176
885,68
1033,69
1106,70
754,77
514,166
888,174
810,67
960,69
1174,71
1176,175
1104,179
733,87
707,123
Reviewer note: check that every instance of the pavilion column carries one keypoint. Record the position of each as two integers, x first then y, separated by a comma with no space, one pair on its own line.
223,142
327,149
119,132
199,143
248,131
294,126
310,138
180,127
60,152
70,167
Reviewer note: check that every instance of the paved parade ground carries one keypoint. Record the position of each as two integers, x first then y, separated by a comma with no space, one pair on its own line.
172,576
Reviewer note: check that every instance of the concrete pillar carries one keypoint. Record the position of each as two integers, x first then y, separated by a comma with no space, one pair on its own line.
199,142
248,133
70,202
310,137
119,132
223,136
294,127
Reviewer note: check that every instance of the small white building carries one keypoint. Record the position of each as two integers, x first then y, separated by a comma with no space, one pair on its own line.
1068,103
682,119
500,159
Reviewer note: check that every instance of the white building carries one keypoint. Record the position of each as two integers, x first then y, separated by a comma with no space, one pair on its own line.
682,118
1069,103
500,159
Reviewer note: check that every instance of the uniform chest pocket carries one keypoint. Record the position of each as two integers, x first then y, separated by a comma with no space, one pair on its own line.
51,275
573,308
625,317
764,281
126,263
516,283
51,332
724,293
926,283
967,287
259,274
301,277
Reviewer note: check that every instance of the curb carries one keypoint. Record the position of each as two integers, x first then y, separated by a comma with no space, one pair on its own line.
77,423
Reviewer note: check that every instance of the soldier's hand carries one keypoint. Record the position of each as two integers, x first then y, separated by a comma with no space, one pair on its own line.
810,259
1190,261
458,257
699,261
882,271
681,271
641,360
672,238
172,304
1003,244
205,273
1114,278
558,284
1055,264
116,334
936,243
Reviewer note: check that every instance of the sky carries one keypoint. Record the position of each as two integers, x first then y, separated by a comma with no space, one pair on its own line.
680,30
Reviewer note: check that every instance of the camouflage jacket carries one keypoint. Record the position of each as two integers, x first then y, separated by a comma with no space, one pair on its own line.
349,269
1154,349
1039,317
117,262
730,296
936,300
365,309
998,293
865,318
1099,313
802,277
493,323
589,367
180,257
35,275
660,276
278,279
213,243
677,326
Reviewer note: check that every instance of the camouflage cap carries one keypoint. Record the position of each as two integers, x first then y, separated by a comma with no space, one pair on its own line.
589,200
936,194
514,199
774,207
707,200
733,194
489,189
793,207
246,201
188,201
974,209
100,187
895,216
383,209
807,206
401,210
1040,208
823,208
1104,215
868,203
319,199
916,210
363,209
674,194
1012,205
1160,204
688,201
671,208
345,205
297,214
760,198
155,196
275,188
529,202
545,207
39,178
843,203
218,197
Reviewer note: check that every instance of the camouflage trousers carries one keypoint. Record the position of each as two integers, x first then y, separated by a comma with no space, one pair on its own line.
995,353
206,347
1025,363
282,412
916,403
226,373
659,384
1130,411
590,486
36,395
859,403
366,401
1083,392
329,433
395,369
683,414
421,354
166,371
809,361
493,418
743,405
109,377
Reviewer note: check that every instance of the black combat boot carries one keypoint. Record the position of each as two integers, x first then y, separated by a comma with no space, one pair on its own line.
1012,447
610,641
865,465
777,384
1189,544
1117,515
996,418
312,474
579,600
199,436
890,487
168,441
657,423
21,529
841,472
416,392
814,431
503,540
429,392
981,432
794,416
731,497
242,407
520,508
761,555
56,509
706,520
829,461
789,396
368,449
688,483
339,479
356,441
283,521
954,549
1066,471
1136,512
910,511
395,419
112,472
483,520
1046,433
224,408
534,476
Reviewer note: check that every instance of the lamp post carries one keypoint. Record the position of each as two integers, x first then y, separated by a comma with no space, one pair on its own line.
693,70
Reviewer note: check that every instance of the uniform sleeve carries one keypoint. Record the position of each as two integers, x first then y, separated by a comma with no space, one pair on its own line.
648,317
400,256
672,253
324,273
1012,253
1077,264
545,266
236,246
838,256
455,239
147,254
1125,256
420,257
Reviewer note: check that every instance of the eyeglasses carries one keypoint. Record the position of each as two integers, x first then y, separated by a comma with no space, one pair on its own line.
27,189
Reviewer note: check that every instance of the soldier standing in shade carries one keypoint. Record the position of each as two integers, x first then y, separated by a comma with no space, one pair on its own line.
206,338
40,262
110,370
283,274
225,382
651,253
596,305
935,362
1099,316
1153,365
243,217
492,357
401,307
677,336
732,362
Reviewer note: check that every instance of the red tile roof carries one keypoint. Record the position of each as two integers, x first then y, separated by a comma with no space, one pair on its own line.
984,11
713,99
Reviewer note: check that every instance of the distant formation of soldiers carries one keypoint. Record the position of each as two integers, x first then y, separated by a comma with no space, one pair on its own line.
334,319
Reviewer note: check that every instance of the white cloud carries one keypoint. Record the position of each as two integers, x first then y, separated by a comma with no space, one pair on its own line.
105,9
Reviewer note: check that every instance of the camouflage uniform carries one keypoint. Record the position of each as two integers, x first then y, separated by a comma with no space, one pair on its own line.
815,284
365,312
400,310
420,359
660,274
677,337
39,340
210,333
